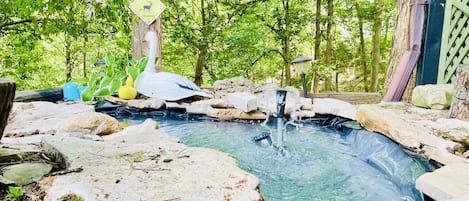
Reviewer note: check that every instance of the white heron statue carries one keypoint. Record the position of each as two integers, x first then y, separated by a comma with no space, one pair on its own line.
164,85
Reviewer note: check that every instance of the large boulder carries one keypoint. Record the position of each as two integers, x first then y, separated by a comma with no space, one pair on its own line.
40,117
244,101
407,133
237,84
88,123
335,107
142,165
446,183
433,96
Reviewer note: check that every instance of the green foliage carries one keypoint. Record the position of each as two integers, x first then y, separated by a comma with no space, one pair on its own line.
44,43
110,77
71,197
14,194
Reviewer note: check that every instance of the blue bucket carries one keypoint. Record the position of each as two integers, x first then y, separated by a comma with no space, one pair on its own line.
71,91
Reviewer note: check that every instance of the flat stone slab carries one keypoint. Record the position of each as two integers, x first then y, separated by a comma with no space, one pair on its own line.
40,117
17,152
335,107
143,163
445,183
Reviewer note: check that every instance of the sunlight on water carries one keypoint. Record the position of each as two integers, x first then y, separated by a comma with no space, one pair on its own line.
319,163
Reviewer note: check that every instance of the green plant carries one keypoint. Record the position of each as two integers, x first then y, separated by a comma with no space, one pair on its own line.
110,77
71,197
14,193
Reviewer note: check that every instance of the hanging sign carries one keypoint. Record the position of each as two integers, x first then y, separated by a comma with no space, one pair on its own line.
147,10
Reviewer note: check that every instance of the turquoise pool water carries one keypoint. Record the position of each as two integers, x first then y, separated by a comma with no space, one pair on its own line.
319,163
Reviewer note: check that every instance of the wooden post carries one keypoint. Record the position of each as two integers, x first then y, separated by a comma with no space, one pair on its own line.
139,29
460,103
7,94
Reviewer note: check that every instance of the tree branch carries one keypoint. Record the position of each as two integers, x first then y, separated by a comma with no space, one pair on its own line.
15,23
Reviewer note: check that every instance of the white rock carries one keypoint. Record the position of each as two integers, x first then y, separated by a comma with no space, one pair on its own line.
454,129
244,101
306,103
214,102
141,133
176,105
153,103
88,123
267,102
198,109
335,107
40,117
307,113
232,85
399,129
447,182
123,169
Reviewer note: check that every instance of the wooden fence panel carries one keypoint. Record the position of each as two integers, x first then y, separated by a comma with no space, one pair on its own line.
455,40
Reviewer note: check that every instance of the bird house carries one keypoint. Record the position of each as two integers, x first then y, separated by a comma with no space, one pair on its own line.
300,65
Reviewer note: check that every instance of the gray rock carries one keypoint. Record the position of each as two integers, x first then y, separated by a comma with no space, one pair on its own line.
232,85
26,173
88,123
40,117
453,129
244,101
17,152
433,96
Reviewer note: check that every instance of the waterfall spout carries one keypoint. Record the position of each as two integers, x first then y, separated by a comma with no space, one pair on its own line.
281,95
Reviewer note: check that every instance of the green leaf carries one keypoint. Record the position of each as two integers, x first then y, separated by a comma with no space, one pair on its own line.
114,86
102,92
105,82
87,94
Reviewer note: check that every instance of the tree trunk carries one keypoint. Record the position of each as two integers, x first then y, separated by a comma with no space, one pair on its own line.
317,45
376,46
202,48
139,30
362,49
460,103
85,39
330,14
199,67
399,41
286,48
7,94
68,57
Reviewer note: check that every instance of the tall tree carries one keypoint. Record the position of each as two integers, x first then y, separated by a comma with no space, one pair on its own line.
199,24
317,46
329,37
286,41
362,47
376,55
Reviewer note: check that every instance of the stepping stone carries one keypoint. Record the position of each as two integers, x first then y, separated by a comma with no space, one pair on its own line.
26,173
448,182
